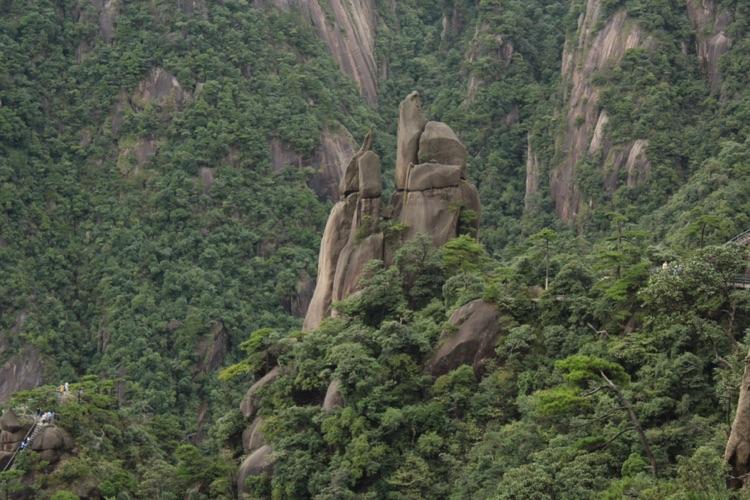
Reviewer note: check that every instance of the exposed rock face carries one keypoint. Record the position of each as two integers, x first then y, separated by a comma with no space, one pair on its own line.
439,144
533,171
252,436
160,88
431,199
593,50
9,421
258,463
737,451
473,342
249,404
711,39
348,29
335,149
52,439
212,349
333,398
21,372
411,122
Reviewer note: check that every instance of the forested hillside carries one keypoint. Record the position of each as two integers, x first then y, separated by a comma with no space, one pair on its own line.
166,169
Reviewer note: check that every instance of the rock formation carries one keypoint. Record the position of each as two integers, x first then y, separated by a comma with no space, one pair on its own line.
52,442
711,39
431,197
601,43
23,370
737,451
471,343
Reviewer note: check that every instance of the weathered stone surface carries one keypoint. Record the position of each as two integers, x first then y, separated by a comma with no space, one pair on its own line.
599,43
303,293
533,172
10,440
474,342
433,176
737,451
370,182
411,122
335,237
439,144
432,212
9,421
160,88
348,30
249,404
354,257
22,371
52,438
333,398
258,463
710,22
252,436
349,182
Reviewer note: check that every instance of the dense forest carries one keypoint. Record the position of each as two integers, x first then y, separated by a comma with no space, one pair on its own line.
166,171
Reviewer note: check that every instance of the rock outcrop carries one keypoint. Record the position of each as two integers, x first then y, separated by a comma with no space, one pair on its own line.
711,38
600,44
249,404
335,149
258,463
21,371
432,197
737,451
52,443
470,341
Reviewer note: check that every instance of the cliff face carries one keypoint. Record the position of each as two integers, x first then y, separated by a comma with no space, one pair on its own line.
348,29
711,40
432,197
584,122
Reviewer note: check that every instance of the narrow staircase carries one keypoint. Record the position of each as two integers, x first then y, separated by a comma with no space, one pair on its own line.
33,432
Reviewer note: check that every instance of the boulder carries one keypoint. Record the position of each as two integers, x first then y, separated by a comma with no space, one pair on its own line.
249,404
333,398
439,144
258,463
473,342
433,176
370,182
411,122
52,438
252,436
9,421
